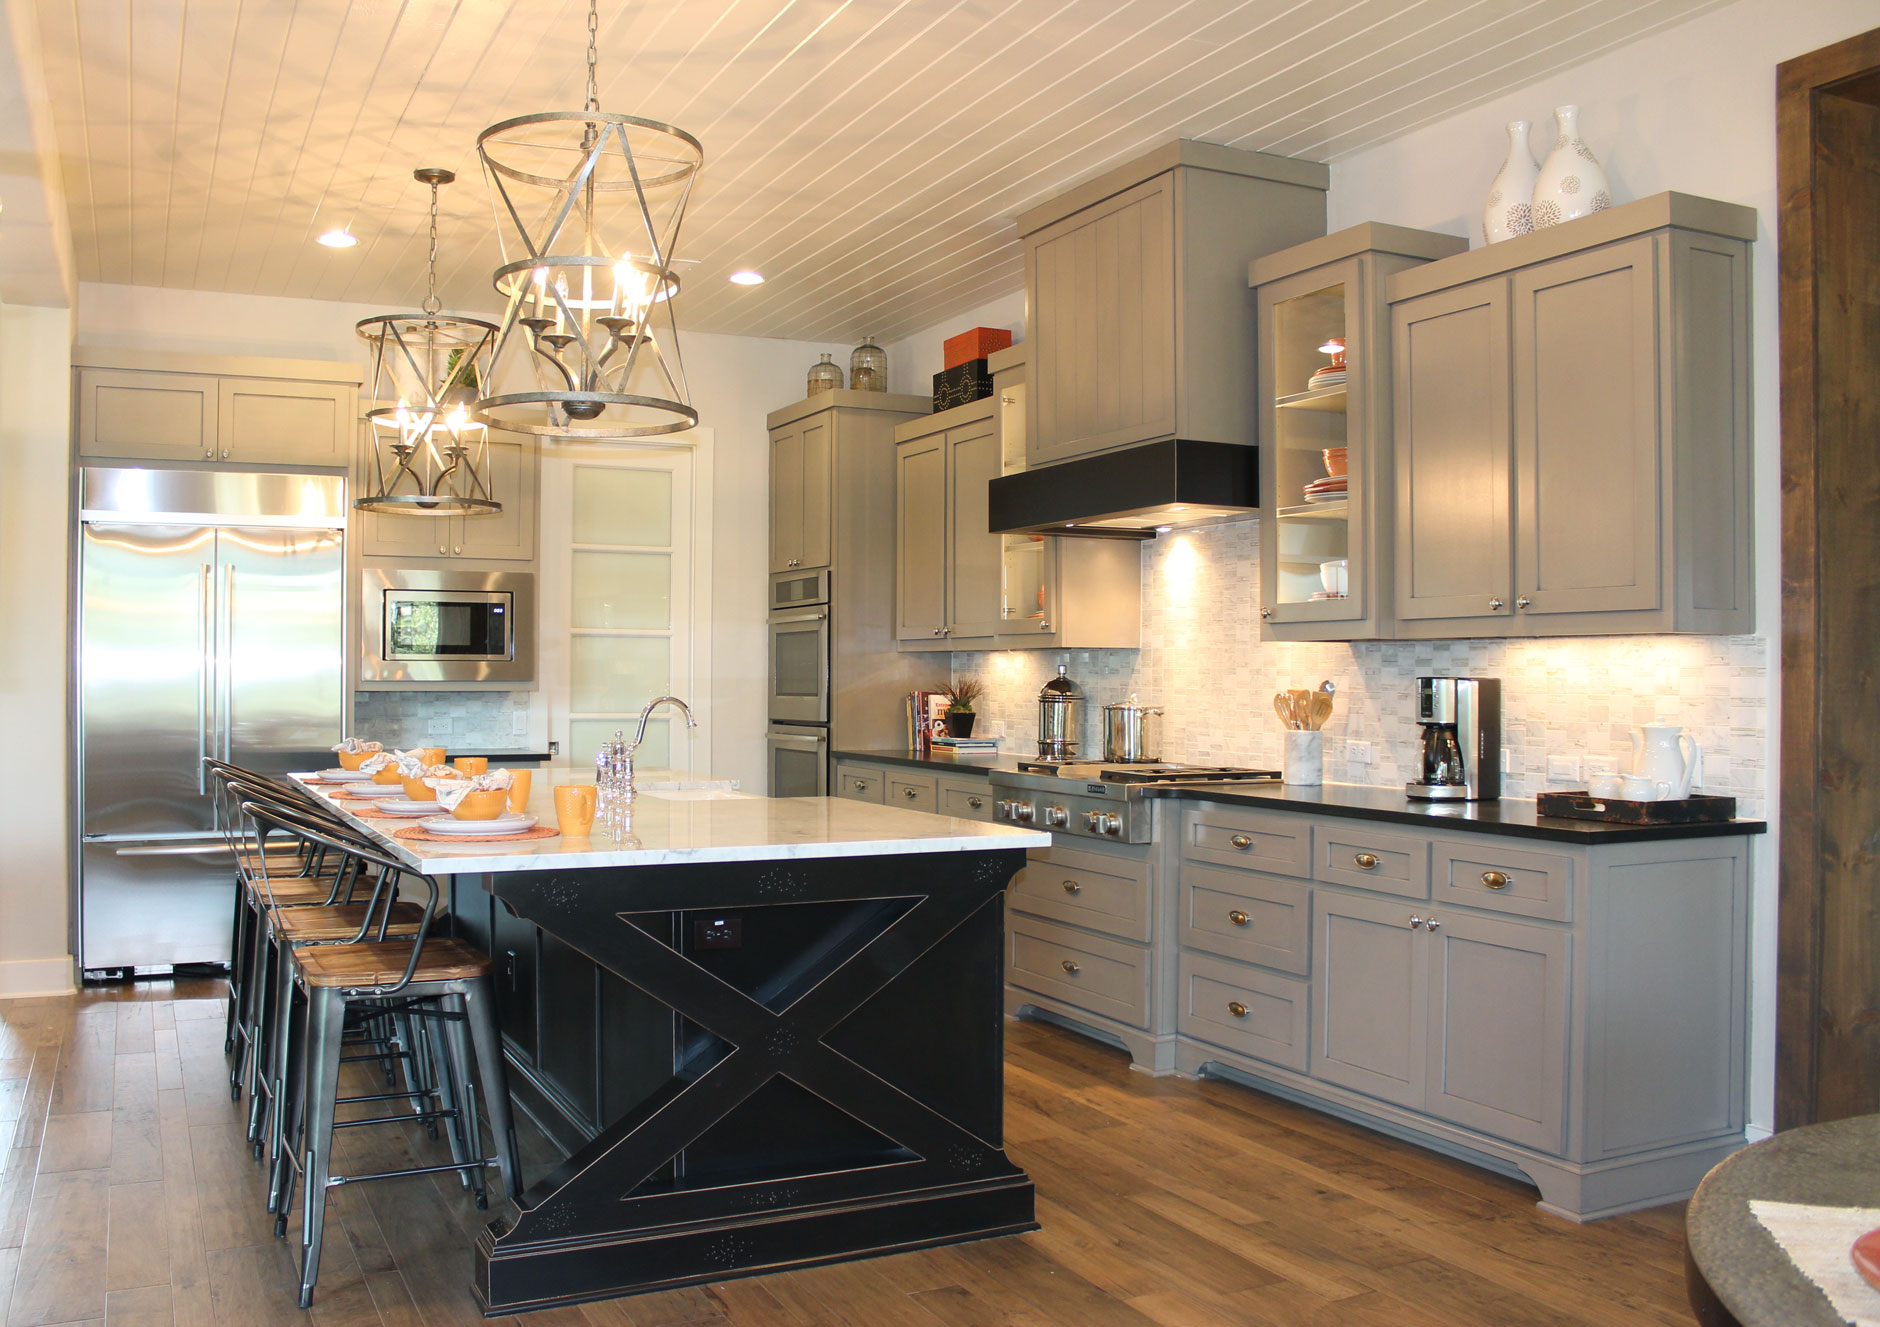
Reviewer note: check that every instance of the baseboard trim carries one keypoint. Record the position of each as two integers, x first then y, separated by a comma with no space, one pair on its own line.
21,978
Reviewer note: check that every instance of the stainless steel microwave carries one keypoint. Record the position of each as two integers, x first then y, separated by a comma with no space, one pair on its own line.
447,626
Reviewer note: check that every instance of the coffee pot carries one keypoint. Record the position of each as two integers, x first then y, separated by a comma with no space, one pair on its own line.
1060,714
1659,753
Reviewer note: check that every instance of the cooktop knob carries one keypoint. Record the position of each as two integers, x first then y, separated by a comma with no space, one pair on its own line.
1021,812
1056,816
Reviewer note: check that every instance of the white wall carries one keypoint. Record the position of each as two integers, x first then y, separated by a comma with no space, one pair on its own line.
35,567
1691,109
735,381
913,360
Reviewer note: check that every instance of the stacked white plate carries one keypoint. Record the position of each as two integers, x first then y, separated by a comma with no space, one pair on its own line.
407,807
380,790
343,776
507,823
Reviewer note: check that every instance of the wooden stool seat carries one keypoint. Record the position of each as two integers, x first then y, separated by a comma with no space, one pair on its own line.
342,922
382,962
290,889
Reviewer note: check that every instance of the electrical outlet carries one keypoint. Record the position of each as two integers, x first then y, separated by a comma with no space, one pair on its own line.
1357,753
438,727
1507,760
718,933
1563,769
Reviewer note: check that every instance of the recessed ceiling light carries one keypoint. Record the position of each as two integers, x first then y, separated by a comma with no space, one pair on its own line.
338,239
747,278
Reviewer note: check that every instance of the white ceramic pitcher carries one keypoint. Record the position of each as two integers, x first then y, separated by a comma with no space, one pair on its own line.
1659,752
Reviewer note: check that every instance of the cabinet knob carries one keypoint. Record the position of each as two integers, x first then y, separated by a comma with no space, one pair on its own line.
910,793
1431,924
946,631
1523,602
1367,861
1070,967
1241,841
457,551
1415,921
975,802
1044,626
1495,604
1266,612
1237,1009
861,785
225,453
936,631
1237,917
1495,879
1072,887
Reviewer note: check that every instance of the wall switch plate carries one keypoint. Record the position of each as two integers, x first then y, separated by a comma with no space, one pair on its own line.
1563,769
519,722
1357,753
1507,760
717,933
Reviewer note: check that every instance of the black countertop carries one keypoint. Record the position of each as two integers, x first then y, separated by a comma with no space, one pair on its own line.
1510,816
502,754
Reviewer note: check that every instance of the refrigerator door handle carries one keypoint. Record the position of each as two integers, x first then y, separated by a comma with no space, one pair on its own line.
175,850
225,712
204,659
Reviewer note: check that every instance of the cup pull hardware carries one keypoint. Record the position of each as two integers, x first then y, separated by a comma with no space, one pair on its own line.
1072,887
1237,1009
1367,861
1495,879
1070,967
1237,917
1241,841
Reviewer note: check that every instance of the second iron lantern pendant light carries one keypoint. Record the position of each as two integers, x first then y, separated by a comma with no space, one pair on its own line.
594,200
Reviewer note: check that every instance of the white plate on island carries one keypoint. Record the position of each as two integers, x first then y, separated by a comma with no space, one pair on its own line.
380,790
407,807
342,776
507,823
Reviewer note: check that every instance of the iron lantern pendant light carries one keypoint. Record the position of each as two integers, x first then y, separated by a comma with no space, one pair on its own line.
595,199
430,452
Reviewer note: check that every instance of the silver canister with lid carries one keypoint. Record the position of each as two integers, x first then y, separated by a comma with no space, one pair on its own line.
1132,732
1060,713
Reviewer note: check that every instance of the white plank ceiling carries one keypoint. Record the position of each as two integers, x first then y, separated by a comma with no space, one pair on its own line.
866,155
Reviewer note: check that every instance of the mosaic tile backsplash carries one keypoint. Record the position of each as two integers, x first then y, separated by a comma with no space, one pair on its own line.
1209,669
494,719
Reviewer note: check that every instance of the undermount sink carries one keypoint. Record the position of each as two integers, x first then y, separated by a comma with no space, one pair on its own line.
693,794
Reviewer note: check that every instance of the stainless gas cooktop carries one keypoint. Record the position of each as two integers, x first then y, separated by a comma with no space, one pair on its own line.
1098,800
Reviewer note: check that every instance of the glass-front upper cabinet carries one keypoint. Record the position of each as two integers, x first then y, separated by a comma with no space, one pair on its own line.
1325,410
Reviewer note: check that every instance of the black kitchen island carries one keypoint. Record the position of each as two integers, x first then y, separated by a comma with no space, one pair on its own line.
766,1033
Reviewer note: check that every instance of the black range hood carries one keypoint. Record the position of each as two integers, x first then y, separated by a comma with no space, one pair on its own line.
1130,494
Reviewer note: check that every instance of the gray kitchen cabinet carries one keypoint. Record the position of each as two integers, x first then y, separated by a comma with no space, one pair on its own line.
149,405
1137,320
860,783
505,536
958,586
1370,989
1307,298
912,791
799,494
1572,429
965,796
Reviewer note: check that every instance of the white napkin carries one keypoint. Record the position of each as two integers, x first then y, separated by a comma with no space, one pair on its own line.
352,746
453,790
411,764
1818,1240
373,764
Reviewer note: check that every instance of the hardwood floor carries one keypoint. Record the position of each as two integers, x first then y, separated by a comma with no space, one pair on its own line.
128,1198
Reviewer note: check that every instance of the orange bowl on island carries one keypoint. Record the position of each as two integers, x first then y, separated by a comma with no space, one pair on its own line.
389,774
352,759
420,791
485,804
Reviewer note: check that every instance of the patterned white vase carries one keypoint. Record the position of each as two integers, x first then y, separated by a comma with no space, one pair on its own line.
1571,183
1506,213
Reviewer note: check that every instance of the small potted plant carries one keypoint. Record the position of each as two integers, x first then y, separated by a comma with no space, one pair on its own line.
959,712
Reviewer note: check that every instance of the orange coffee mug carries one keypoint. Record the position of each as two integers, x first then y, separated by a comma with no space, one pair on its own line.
519,790
430,755
574,808
472,765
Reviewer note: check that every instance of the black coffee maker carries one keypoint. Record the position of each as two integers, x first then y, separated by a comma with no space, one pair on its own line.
1459,756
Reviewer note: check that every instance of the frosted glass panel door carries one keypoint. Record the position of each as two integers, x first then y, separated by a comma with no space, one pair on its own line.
621,578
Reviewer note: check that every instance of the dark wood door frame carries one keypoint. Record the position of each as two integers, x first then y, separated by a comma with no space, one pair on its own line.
1828,932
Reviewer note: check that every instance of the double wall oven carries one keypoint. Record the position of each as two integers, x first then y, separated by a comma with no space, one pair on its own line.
798,747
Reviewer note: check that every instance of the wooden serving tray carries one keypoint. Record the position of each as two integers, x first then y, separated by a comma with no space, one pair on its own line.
1698,808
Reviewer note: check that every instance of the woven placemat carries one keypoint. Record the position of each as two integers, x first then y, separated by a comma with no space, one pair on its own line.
419,832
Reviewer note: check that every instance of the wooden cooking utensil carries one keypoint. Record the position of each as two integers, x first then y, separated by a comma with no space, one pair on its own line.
1282,706
1321,710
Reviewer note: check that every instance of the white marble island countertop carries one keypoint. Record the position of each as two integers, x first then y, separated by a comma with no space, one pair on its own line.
692,824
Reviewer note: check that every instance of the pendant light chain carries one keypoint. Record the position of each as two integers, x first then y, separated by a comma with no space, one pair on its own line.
593,82
431,302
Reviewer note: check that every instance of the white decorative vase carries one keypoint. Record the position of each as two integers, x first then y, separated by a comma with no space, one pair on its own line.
1571,183
1507,211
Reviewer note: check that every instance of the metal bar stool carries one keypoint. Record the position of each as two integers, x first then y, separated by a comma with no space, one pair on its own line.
446,974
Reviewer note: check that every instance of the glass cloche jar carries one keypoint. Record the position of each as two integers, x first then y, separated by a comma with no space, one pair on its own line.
825,377
868,367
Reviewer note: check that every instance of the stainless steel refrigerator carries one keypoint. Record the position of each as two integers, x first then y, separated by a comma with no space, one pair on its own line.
210,623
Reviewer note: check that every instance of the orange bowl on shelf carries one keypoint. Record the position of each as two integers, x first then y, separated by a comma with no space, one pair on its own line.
486,804
1335,460
389,774
353,759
